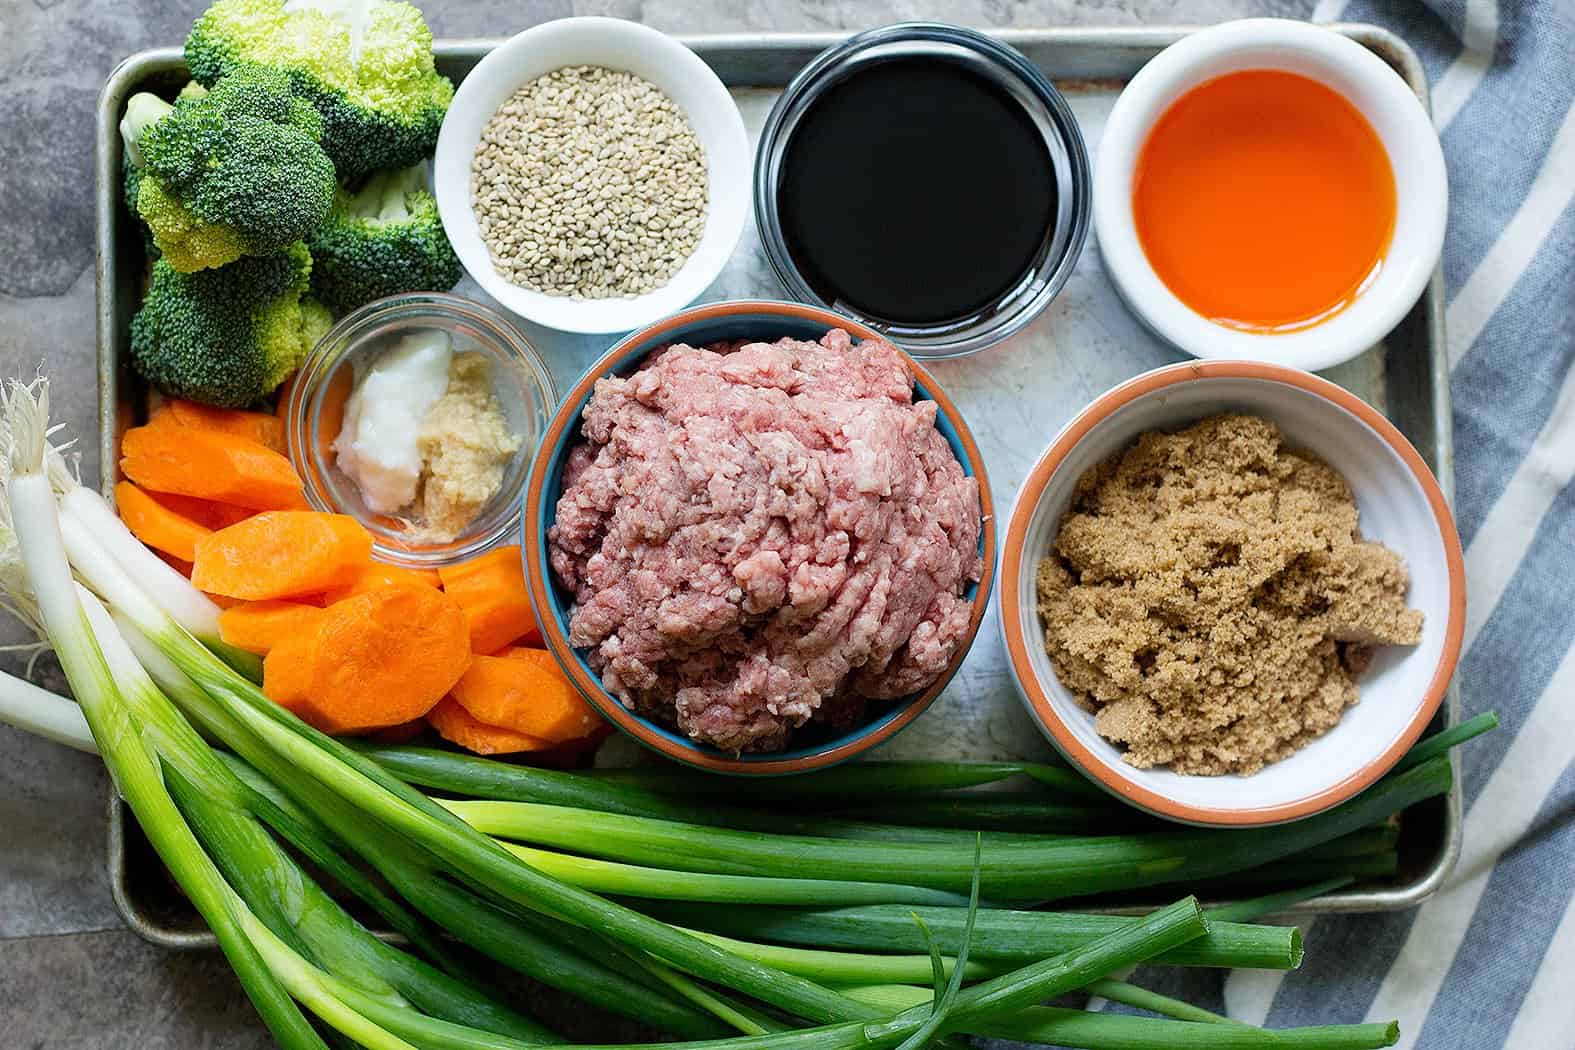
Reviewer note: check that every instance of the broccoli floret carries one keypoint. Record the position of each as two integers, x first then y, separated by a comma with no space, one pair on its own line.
231,172
365,64
227,336
383,240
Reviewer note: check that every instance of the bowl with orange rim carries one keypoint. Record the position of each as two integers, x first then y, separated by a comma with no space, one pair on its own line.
1400,505
701,326
1270,190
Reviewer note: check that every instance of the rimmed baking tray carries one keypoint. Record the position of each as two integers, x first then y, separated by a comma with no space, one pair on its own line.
1015,396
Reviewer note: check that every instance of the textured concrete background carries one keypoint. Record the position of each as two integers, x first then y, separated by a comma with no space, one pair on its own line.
70,974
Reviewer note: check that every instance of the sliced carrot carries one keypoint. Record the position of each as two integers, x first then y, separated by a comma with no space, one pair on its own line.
491,587
459,726
259,626
283,554
209,464
205,512
380,574
262,427
520,694
375,660
156,525
180,565
288,669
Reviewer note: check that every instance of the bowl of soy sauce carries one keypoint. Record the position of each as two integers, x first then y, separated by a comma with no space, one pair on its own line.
926,180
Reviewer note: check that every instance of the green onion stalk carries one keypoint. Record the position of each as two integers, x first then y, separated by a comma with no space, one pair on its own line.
118,736
1096,1031
512,940
475,777
837,786
272,887
1036,871
999,934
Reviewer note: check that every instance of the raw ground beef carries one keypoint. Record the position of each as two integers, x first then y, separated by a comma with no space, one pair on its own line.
760,536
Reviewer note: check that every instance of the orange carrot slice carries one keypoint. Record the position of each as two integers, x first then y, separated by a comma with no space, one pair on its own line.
375,660
259,626
492,590
520,694
282,554
459,726
262,427
178,564
288,670
209,464
380,574
156,525
205,512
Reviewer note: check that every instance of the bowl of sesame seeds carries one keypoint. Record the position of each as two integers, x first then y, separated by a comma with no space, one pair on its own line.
593,175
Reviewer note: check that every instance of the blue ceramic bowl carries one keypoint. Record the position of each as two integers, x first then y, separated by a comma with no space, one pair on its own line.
701,325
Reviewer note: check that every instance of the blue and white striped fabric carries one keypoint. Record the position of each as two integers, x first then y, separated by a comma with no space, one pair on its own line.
1490,961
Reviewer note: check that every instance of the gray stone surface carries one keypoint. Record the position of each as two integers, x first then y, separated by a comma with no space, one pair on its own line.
70,975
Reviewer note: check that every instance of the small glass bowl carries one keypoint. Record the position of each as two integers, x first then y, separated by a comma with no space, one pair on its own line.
316,407
1009,70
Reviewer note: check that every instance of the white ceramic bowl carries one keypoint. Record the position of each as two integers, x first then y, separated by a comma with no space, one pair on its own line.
1402,124
1401,507
615,44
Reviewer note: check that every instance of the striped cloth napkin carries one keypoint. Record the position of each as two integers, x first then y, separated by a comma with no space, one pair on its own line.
1490,961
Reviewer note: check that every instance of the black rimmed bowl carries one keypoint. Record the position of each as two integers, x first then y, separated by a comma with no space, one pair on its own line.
1007,70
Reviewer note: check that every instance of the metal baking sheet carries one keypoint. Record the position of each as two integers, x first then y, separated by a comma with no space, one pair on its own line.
1015,396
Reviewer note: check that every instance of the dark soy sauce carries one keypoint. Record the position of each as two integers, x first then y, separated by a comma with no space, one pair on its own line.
916,191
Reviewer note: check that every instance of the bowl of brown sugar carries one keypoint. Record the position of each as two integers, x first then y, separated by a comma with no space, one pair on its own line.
1232,593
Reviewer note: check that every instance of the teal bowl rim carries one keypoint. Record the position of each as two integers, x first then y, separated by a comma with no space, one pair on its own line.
715,322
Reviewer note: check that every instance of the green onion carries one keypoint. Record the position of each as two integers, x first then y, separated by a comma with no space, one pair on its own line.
1151,936
837,785
1153,1002
946,988
1023,871
743,1018
1011,936
475,777
1099,1031
303,832
317,927
483,925
844,968
999,812
34,517
42,713
626,880
1444,740
1273,903
83,513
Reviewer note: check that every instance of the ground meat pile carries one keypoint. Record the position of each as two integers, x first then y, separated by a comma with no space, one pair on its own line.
1210,597
761,536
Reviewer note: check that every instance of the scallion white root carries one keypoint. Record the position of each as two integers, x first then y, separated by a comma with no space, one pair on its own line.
42,713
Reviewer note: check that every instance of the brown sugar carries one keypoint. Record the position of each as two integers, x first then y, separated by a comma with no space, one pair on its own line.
1211,600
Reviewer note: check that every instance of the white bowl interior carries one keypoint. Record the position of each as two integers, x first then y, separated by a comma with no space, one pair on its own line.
1394,511
1376,91
615,44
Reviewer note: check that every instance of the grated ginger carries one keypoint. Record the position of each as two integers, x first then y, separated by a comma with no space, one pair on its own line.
465,444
